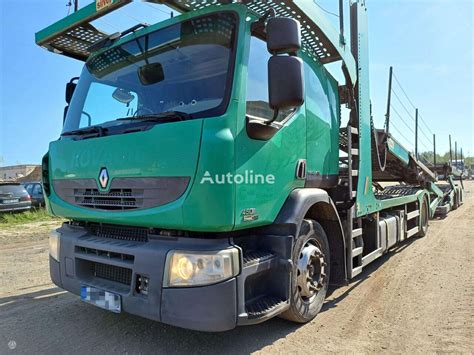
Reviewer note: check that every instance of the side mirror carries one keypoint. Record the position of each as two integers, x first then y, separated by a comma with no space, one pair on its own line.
285,72
283,35
70,87
285,82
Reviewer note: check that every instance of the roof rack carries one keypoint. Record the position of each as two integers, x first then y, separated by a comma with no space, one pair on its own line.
321,40
73,35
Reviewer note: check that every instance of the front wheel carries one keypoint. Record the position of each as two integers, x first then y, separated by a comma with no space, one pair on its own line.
310,275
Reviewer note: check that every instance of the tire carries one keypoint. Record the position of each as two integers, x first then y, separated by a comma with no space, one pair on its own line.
456,201
311,248
424,218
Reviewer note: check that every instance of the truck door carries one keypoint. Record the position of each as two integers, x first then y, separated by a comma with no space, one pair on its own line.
277,156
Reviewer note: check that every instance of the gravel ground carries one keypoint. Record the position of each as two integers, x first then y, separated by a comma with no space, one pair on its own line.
418,298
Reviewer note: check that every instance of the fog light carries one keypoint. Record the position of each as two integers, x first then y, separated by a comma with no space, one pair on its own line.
200,268
54,244
141,285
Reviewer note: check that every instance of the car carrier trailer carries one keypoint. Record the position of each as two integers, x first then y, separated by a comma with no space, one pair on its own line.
165,121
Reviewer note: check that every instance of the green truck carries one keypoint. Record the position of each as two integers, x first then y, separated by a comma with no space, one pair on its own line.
203,170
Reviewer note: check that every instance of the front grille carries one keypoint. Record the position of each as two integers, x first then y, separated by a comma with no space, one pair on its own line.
115,199
105,254
132,234
113,273
124,193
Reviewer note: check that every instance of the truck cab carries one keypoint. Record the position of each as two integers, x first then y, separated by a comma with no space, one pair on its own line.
199,170
182,142
185,124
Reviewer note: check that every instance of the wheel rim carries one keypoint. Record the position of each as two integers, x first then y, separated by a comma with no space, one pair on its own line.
311,270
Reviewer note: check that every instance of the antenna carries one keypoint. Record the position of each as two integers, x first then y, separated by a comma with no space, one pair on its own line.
416,133
450,151
456,152
389,100
341,22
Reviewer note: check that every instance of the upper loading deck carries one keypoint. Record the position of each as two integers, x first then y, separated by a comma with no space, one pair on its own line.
74,35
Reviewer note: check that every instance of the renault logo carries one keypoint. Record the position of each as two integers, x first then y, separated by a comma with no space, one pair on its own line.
103,178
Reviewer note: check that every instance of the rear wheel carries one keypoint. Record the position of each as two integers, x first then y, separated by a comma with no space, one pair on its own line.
424,218
310,276
456,200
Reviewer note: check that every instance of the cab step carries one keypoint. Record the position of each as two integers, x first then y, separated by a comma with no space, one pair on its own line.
255,257
265,307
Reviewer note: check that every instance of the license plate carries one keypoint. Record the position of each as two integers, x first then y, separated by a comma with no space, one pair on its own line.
103,299
10,201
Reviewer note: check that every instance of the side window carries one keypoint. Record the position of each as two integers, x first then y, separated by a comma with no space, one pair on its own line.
257,83
37,189
29,188
316,95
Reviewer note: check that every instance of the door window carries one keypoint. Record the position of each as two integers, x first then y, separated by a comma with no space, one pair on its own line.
257,83
38,190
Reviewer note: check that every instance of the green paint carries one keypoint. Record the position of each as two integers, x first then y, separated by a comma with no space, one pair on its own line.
217,146
398,150
159,153
220,145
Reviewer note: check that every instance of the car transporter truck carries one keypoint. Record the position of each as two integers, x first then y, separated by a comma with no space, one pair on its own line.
203,170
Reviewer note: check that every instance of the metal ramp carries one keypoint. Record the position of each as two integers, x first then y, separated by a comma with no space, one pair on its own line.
390,160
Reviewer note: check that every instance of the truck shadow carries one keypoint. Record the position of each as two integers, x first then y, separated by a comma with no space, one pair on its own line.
53,320
366,274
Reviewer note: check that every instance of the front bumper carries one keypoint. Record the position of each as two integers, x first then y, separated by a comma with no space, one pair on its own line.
116,265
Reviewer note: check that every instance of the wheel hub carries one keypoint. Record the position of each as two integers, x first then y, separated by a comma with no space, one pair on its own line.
311,271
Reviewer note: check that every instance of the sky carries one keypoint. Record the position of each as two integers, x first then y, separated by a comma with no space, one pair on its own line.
428,42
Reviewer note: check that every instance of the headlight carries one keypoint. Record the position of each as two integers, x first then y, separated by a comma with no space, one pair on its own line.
54,243
200,268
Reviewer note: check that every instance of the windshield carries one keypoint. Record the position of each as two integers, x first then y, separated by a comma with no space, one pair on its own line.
184,68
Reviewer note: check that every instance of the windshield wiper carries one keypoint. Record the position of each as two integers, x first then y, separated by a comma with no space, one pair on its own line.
163,116
99,130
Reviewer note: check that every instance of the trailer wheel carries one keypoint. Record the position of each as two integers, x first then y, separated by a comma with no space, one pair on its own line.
456,200
310,275
424,218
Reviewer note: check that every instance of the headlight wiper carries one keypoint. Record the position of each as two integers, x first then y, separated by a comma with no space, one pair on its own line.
99,130
163,116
